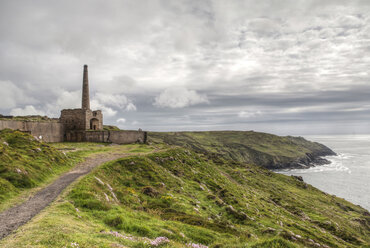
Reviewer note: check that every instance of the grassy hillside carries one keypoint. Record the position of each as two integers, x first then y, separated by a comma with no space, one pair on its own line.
26,163
178,198
267,150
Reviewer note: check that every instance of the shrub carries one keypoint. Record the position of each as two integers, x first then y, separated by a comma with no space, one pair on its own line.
115,221
150,191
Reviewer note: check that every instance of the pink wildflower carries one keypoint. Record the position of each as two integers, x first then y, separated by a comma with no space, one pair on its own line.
159,241
196,245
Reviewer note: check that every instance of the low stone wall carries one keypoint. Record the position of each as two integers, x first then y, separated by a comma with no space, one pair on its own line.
55,132
48,131
117,137
127,137
97,136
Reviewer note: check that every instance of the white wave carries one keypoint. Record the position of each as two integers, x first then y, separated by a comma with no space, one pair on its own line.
336,164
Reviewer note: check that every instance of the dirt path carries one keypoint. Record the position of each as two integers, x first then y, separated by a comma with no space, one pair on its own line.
16,216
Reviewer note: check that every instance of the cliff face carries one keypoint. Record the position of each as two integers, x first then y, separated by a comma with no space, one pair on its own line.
266,150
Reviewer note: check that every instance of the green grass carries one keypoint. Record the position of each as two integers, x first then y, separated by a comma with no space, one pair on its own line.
110,128
188,197
27,164
262,149
274,243
37,118
93,147
192,198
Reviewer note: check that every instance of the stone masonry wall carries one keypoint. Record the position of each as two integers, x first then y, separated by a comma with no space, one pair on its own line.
55,132
73,119
117,137
98,116
127,137
48,131
79,119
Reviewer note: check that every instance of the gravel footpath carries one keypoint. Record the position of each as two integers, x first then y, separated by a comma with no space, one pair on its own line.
17,216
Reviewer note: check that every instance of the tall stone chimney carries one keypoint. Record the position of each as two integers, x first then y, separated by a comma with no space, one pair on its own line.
85,90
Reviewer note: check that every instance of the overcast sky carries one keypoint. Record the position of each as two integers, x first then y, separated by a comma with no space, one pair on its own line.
286,67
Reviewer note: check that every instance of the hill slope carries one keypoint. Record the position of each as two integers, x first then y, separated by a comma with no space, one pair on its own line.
26,163
179,198
267,150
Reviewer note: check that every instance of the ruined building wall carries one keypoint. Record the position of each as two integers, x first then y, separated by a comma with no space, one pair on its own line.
117,137
127,137
81,119
77,125
73,119
94,118
56,132
48,131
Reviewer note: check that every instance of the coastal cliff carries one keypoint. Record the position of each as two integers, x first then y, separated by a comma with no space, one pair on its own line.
156,195
266,150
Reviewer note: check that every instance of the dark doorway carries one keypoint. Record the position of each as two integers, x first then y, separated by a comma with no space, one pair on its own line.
94,124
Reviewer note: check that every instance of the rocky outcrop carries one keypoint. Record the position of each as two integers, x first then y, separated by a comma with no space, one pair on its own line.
314,158
310,160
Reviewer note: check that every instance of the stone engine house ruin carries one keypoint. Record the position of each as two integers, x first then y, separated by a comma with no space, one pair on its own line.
83,118
75,125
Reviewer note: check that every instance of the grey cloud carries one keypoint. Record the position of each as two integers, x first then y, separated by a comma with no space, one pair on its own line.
293,62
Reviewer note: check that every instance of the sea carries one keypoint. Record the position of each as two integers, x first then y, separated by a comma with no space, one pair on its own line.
348,174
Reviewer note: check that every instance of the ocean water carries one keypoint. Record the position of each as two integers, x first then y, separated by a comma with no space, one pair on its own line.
348,175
